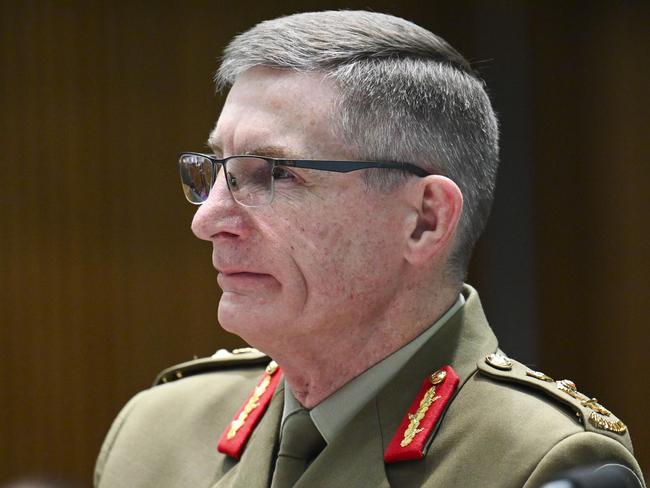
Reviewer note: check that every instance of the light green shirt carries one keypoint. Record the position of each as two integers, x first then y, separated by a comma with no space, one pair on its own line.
332,414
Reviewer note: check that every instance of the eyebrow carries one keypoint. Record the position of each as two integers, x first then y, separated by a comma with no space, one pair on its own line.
271,151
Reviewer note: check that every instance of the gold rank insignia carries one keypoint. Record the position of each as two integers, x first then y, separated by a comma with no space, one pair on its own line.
539,375
417,427
598,416
589,411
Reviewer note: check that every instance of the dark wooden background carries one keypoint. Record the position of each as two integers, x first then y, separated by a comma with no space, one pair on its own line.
102,283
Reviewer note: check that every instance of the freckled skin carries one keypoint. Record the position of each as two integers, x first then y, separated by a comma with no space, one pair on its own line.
331,251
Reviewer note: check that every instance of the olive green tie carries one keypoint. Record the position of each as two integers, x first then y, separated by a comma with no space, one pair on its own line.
300,444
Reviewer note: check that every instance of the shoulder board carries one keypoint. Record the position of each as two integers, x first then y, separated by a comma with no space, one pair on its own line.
592,415
221,359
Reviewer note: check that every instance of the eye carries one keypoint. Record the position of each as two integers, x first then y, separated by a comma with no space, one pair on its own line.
281,173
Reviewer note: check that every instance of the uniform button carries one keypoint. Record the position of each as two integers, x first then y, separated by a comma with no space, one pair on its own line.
499,361
438,377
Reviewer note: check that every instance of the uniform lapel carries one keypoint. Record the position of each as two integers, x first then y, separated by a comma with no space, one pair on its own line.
255,467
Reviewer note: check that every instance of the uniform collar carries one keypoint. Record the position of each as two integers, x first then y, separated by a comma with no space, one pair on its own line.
331,415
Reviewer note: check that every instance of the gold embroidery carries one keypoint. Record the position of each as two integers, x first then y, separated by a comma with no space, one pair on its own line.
252,404
429,399
602,422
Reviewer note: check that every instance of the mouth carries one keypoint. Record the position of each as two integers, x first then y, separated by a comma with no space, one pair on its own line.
241,274
242,280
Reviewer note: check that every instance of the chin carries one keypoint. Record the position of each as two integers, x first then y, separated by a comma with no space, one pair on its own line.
251,325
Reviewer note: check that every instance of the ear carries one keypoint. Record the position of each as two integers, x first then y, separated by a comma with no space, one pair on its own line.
438,202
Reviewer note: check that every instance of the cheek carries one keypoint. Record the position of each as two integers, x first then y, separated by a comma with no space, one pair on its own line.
344,255
336,253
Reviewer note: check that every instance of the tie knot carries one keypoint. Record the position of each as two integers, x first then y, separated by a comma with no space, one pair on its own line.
300,437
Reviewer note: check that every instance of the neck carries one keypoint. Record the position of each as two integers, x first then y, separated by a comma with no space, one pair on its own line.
315,368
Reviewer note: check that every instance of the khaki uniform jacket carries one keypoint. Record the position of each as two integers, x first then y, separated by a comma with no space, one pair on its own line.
502,429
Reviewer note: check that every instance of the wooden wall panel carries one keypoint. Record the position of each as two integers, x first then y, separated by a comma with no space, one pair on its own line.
592,203
102,282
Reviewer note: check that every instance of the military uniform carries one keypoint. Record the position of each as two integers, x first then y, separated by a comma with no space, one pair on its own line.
502,426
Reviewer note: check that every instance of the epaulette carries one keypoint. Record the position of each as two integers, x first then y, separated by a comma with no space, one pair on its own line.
221,359
591,414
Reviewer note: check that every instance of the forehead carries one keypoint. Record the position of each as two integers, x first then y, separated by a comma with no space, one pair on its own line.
272,108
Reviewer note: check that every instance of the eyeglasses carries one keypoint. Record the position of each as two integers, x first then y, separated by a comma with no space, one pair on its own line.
251,179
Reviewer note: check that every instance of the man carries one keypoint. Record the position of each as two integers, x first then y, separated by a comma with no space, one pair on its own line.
352,171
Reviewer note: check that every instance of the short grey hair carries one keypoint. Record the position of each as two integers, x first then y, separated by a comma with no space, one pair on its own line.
405,95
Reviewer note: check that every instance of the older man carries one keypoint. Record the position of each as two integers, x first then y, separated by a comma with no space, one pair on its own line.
351,172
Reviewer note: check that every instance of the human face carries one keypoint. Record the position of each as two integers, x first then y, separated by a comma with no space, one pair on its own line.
326,254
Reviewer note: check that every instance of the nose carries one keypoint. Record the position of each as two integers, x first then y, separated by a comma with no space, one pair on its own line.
220,215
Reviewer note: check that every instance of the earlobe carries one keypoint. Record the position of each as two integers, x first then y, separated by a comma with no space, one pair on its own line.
439,205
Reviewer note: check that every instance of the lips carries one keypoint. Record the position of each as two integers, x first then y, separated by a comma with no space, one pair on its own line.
242,280
242,274
236,270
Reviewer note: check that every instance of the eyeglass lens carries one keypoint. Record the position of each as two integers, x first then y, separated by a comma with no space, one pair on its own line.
249,179
196,177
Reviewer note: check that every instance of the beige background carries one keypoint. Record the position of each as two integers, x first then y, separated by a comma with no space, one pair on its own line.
102,283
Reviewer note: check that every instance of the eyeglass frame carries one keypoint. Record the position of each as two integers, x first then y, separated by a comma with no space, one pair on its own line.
331,165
